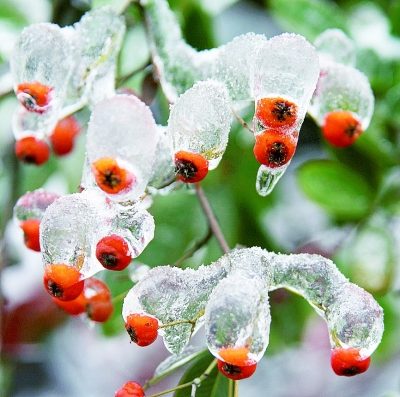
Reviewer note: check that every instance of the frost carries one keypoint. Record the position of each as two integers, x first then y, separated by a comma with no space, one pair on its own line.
200,121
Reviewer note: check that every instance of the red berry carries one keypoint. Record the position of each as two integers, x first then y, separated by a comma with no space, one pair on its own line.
142,328
273,148
235,363
130,389
98,302
190,167
35,96
63,137
74,307
30,228
110,177
341,128
63,281
276,112
31,150
113,252
348,362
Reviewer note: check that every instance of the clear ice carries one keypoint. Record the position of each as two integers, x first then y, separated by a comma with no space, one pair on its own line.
268,177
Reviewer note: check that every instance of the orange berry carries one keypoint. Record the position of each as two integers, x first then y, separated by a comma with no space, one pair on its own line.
236,372
63,281
35,96
236,356
348,362
142,328
98,302
341,128
130,389
63,137
113,252
31,150
74,307
273,148
110,177
190,167
30,227
276,112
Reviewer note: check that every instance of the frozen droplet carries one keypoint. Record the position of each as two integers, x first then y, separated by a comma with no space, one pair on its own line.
171,294
123,128
334,45
32,205
100,33
342,87
70,229
234,66
355,319
287,66
238,315
200,121
268,177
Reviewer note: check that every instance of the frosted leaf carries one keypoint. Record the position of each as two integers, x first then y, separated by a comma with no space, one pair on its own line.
238,315
268,177
25,123
70,229
123,128
171,294
200,121
44,53
287,66
87,180
136,226
100,33
163,168
342,87
234,65
312,276
32,205
334,45
355,319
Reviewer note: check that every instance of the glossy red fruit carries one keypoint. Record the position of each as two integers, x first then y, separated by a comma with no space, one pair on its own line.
34,96
31,150
63,281
235,363
113,252
130,389
98,301
273,148
110,177
63,137
142,328
341,128
236,372
348,362
74,307
276,112
190,167
30,227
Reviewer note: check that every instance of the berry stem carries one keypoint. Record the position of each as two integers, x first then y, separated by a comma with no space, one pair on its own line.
192,322
242,122
197,245
235,388
212,221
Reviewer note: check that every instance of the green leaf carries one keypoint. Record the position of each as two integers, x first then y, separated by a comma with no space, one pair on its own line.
341,191
308,17
215,385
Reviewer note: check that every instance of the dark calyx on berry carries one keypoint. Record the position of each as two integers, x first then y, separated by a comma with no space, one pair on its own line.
109,260
232,369
186,169
190,167
277,153
131,333
283,110
54,289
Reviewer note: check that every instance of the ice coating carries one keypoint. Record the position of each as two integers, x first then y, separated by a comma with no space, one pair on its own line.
234,66
287,66
100,33
342,87
44,53
123,128
136,226
238,315
334,45
200,121
171,294
268,177
70,229
32,205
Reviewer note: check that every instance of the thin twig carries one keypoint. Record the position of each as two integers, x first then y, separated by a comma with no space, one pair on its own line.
242,122
236,388
212,221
